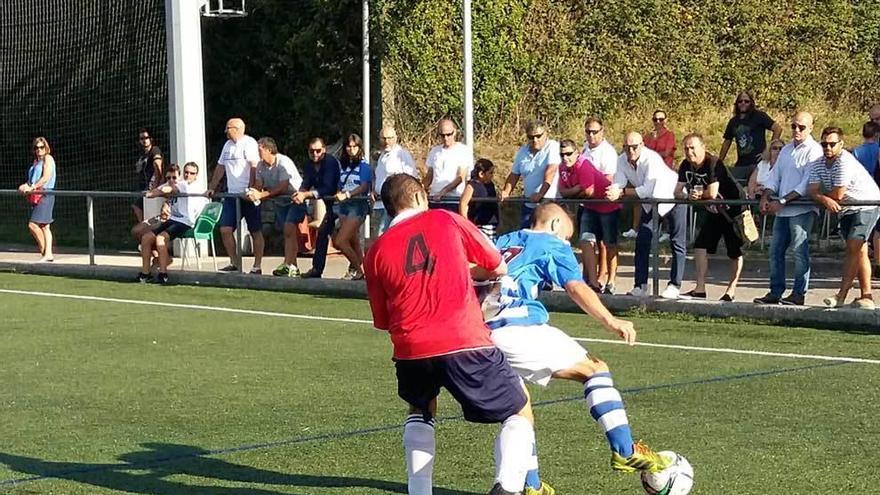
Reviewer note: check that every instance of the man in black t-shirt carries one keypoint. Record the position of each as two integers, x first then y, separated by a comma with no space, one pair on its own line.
148,169
702,176
748,127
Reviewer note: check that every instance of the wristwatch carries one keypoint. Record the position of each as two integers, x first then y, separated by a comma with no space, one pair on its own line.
782,201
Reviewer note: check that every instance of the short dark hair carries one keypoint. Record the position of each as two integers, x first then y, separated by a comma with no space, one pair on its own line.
482,165
535,124
594,120
144,130
870,130
832,130
398,192
268,144
317,140
567,142
192,164
173,168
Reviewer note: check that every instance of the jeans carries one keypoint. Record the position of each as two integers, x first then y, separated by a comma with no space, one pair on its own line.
791,232
677,226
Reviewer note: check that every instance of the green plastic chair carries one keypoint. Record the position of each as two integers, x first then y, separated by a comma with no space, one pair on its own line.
202,231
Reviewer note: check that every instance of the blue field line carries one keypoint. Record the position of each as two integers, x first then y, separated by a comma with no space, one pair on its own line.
397,426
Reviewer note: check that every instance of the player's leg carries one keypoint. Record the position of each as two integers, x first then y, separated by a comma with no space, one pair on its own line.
417,384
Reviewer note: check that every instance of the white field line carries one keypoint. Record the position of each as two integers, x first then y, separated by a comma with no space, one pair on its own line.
369,322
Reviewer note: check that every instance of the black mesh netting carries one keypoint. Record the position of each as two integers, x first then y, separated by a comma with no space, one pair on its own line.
87,74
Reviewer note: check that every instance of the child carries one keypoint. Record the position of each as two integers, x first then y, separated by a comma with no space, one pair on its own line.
483,214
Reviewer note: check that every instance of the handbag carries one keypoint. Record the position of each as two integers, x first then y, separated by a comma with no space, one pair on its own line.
34,199
743,224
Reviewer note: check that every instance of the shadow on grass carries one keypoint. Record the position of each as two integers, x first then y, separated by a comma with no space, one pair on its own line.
148,472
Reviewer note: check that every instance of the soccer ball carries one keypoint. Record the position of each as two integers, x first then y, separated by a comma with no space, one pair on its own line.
677,479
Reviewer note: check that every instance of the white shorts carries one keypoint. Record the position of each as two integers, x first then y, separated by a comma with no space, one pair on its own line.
535,352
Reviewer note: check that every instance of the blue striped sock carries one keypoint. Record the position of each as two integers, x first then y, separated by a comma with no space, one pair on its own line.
606,407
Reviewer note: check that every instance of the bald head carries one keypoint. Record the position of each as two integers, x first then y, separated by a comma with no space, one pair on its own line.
801,126
632,146
550,217
234,128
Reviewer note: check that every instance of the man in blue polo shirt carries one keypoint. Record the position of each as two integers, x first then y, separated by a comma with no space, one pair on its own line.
537,162
320,182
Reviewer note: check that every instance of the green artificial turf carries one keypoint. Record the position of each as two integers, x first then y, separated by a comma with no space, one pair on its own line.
109,397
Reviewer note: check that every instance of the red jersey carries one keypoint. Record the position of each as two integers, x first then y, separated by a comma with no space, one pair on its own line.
419,284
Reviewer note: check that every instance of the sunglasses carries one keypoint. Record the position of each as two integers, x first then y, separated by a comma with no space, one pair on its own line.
39,147
316,150
172,177
535,137
631,147
798,127
743,101
566,154
775,148
659,119
446,134
144,138
829,144
593,132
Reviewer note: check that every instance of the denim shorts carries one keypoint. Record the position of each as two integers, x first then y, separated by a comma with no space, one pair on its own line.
249,211
289,213
600,227
858,224
351,209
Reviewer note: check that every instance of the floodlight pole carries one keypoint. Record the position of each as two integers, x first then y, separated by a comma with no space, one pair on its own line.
468,75
365,49
186,97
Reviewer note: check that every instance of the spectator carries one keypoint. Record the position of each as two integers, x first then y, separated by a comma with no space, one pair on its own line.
351,205
874,113
172,173
661,140
482,214
393,160
835,178
748,127
148,168
449,164
788,182
275,181
537,162
238,163
603,156
420,292
184,213
41,177
598,228
650,178
866,153
320,183
568,185
702,176
761,173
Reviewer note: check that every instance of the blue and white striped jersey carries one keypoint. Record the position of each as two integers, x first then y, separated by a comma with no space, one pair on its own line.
533,259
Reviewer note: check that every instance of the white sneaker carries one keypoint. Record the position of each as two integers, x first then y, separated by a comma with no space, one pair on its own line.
631,234
639,291
671,292
663,238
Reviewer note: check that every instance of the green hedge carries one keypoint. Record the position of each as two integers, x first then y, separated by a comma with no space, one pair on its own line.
564,59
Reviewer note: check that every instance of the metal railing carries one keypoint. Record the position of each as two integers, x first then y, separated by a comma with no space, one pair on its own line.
90,196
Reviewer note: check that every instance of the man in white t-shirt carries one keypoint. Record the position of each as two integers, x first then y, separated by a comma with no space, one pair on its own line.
393,160
449,164
835,178
184,212
238,163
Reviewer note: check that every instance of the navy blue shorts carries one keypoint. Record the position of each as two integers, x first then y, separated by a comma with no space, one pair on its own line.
289,213
41,214
249,211
173,228
482,382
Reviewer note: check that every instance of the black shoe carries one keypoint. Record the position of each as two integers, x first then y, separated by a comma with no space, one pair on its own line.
597,289
497,490
727,298
144,278
161,278
792,300
609,289
228,269
311,274
767,299
693,294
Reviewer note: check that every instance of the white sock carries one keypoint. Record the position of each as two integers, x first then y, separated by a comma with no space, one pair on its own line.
513,452
419,448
